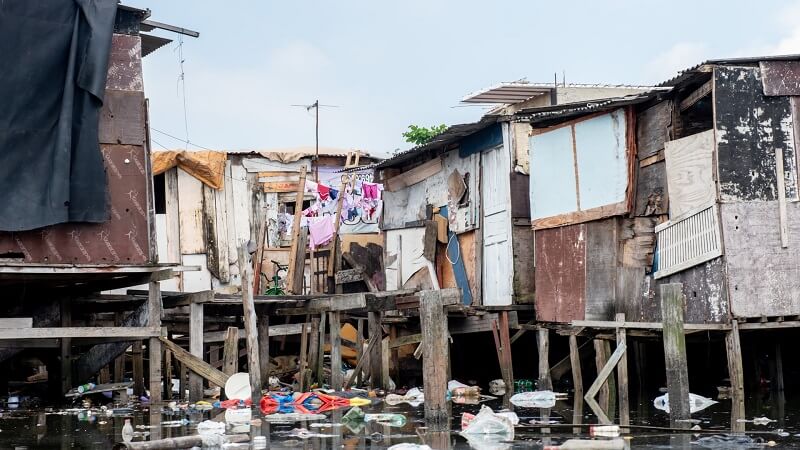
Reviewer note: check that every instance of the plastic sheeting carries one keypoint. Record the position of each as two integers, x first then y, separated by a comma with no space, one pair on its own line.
55,56
206,166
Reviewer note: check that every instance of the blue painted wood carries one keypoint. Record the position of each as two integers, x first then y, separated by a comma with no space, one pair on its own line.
552,169
459,269
484,139
602,160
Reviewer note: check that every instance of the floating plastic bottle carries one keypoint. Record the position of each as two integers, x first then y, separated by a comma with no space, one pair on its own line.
586,444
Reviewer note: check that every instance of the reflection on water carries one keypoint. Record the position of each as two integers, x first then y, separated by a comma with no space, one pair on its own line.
103,428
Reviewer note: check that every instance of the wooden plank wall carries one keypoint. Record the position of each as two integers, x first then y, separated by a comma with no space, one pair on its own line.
523,254
749,128
561,273
601,268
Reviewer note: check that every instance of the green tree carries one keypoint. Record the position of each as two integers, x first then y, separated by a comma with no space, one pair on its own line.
419,135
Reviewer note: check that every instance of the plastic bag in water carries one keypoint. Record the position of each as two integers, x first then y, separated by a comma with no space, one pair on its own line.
696,403
729,441
488,422
535,399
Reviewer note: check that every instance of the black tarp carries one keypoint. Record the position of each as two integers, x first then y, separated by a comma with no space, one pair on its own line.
52,78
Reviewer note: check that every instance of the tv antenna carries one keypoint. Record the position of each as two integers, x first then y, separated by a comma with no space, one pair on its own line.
316,106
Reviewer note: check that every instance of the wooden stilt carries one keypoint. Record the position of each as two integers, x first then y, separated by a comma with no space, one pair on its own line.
66,348
313,350
622,376
360,350
672,305
543,340
612,384
600,359
154,311
119,361
250,324
505,342
138,369
602,376
436,358
182,375
263,347
168,375
394,356
302,378
733,349
577,381
336,351
375,366
778,368
196,349
230,352
385,358
320,361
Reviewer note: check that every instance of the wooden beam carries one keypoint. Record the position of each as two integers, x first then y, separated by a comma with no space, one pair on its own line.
602,376
648,325
374,354
435,360
733,348
341,302
154,313
195,364
414,176
124,333
698,94
373,340
66,347
543,341
138,369
780,177
622,376
250,322
265,331
672,305
336,350
294,276
577,379
230,353
196,349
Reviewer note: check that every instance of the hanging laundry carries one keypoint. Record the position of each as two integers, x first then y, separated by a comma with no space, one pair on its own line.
311,186
334,193
323,191
370,190
320,231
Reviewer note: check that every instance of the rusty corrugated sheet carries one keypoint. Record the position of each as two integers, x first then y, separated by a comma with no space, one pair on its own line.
561,273
780,77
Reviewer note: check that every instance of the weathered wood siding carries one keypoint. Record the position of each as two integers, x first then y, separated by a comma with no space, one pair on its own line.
780,77
561,273
652,126
764,277
601,268
749,128
704,288
524,280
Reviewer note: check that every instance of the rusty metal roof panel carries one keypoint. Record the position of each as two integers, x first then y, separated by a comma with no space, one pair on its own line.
690,72
569,110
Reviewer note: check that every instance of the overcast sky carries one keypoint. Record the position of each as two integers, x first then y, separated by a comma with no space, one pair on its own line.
390,64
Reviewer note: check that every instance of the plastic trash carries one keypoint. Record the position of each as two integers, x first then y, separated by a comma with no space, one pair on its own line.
393,420
453,384
534,399
524,385
696,403
594,444
238,386
489,422
467,418
259,442
409,446
127,431
729,441
413,397
497,387
604,430
293,417
86,387
210,427
302,433
488,441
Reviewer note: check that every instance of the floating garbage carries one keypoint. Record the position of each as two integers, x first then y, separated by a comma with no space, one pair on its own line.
489,422
536,399
497,387
585,444
293,417
729,441
238,386
356,416
467,418
459,389
696,403
413,397
127,431
302,433
409,446
757,421
604,431
212,433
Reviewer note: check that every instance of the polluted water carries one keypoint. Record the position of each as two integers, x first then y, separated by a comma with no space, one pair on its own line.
494,424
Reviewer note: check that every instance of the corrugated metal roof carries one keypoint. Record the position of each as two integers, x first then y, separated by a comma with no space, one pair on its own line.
507,93
450,135
568,110
690,72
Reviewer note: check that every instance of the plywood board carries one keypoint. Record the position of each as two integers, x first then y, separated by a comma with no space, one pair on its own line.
601,269
764,278
122,118
561,273
652,128
602,160
690,173
552,168
780,77
414,175
749,128
190,207
125,63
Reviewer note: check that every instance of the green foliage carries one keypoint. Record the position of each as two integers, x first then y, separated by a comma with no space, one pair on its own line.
419,135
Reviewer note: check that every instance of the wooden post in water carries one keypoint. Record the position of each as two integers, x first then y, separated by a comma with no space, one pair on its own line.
320,359
435,359
779,386
543,340
375,363
672,304
733,348
230,352
336,350
577,382
66,349
600,360
313,349
195,348
360,350
250,325
622,376
154,310
263,346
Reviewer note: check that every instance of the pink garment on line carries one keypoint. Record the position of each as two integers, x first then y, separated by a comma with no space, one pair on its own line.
320,231
370,190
